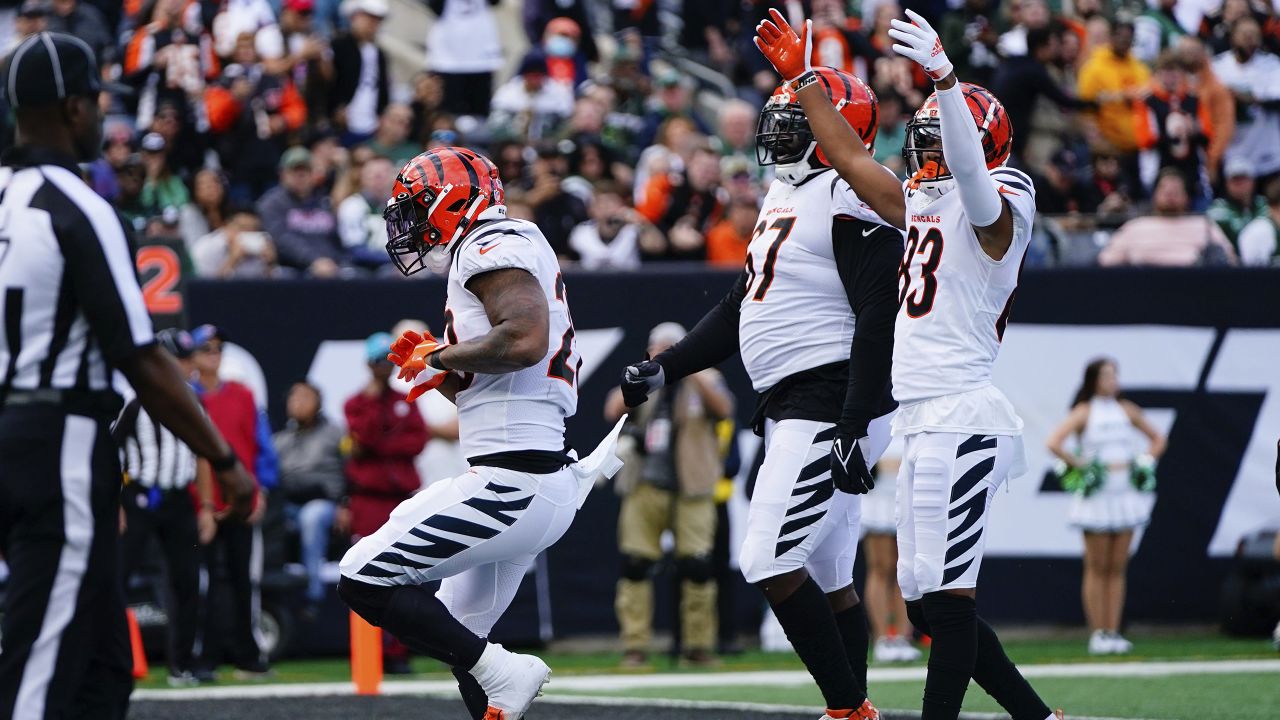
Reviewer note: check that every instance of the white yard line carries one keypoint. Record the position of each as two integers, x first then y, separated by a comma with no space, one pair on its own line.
623,683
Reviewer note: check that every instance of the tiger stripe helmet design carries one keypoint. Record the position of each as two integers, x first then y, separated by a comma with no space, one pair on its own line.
924,134
783,136
437,197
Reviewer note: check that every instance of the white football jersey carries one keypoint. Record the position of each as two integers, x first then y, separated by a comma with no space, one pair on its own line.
522,410
795,315
954,304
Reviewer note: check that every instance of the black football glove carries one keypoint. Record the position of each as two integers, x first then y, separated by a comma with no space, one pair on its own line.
849,469
639,380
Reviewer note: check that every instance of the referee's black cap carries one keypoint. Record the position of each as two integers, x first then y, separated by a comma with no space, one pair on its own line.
48,67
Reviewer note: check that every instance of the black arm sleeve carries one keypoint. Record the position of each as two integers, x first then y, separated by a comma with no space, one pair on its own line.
867,258
712,341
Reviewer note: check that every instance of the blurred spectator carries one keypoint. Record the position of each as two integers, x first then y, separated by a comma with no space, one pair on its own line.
1260,239
972,31
530,105
1251,73
32,17
464,49
668,486
240,17
1173,129
728,240
1114,79
684,207
1060,190
169,59
130,177
1169,237
83,21
1023,79
360,224
1156,30
208,209
231,407
1216,26
311,478
556,211
837,41
298,217
1025,15
163,192
676,138
361,86
891,134
392,140
1110,183
539,14
238,249
736,137
566,62
702,32
612,238
386,434
295,50
1240,202
1217,99
673,99
251,114
117,145
428,94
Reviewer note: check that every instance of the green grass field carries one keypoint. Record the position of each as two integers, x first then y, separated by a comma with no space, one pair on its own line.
1243,696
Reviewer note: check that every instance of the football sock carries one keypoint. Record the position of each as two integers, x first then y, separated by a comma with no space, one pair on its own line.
810,625
418,618
856,635
994,671
472,694
997,674
953,621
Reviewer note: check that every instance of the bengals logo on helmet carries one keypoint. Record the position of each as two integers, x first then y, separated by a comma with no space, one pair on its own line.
783,135
924,133
436,198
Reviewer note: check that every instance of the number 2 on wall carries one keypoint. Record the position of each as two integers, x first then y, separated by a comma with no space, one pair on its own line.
160,291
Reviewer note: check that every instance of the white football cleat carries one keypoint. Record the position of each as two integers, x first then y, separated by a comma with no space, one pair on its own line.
1275,637
510,680
885,651
906,651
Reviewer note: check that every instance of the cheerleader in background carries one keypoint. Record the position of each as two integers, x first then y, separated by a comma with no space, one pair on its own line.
886,611
1115,500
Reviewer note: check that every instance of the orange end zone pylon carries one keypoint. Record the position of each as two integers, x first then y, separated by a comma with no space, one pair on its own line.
366,656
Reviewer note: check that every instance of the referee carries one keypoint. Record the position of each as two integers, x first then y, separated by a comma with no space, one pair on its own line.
158,501
71,312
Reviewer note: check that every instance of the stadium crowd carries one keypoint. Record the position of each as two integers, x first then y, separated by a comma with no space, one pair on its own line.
265,133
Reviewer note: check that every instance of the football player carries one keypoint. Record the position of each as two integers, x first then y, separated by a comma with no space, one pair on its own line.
968,220
812,316
509,361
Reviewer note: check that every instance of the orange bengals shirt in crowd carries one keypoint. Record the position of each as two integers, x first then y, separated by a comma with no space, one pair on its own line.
725,247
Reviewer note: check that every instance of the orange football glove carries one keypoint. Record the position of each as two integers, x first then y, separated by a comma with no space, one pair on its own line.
789,53
410,353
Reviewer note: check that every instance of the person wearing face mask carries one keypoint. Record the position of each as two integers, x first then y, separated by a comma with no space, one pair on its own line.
562,42
1250,73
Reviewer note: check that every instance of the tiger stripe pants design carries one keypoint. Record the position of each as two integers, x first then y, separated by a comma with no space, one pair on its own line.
796,518
946,484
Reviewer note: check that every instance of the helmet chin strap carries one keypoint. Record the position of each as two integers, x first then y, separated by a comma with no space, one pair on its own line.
796,172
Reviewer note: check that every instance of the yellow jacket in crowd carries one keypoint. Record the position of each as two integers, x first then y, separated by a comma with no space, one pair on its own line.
1113,82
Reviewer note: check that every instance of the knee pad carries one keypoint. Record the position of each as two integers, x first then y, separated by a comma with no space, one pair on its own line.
915,613
636,568
694,568
929,508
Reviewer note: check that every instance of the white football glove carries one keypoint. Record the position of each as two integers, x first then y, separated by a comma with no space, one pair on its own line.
920,43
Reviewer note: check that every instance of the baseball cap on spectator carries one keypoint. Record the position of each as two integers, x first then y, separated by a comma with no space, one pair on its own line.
296,156
49,67
376,8
153,142
204,333
533,63
1238,166
33,8
1065,160
563,26
668,78
376,347
299,6
177,341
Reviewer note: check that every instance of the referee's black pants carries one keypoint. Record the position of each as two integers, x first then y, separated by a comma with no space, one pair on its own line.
170,516
65,653
234,557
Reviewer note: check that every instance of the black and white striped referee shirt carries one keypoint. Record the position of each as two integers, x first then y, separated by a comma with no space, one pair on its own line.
70,304
151,454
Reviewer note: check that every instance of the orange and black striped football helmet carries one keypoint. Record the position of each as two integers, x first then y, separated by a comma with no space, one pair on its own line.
924,134
436,198
783,136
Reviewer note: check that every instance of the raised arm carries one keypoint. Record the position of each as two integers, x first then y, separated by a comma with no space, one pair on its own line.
990,214
845,151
